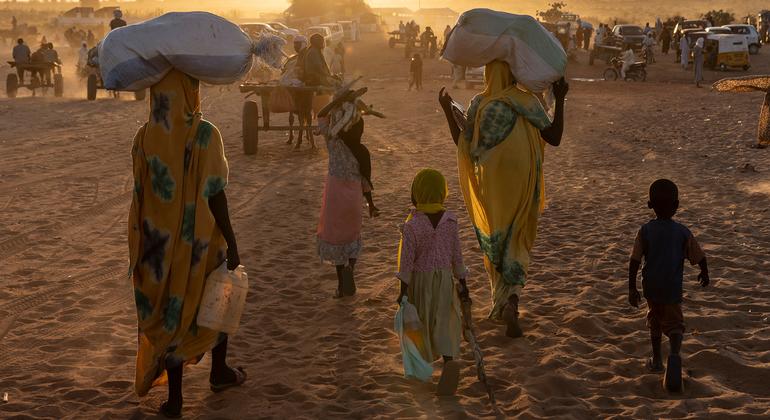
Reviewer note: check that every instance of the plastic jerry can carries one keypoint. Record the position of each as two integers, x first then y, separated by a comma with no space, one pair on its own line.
223,300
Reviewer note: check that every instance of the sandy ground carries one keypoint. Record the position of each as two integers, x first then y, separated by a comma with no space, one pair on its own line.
67,320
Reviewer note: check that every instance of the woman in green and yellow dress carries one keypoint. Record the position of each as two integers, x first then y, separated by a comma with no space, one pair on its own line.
500,153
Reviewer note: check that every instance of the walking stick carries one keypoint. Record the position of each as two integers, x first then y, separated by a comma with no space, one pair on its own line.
470,336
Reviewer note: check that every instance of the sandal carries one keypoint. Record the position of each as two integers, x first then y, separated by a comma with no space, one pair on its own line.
167,413
240,378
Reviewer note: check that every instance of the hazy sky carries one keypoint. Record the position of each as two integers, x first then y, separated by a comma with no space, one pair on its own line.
592,9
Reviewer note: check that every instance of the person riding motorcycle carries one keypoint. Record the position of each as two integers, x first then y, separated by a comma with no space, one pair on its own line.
628,58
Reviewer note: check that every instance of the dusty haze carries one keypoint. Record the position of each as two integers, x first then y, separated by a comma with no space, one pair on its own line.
627,10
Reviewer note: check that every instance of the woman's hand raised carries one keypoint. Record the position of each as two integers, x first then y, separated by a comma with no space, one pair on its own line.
444,99
560,88
446,104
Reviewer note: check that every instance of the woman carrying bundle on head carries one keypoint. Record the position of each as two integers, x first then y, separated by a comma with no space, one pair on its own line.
179,232
501,144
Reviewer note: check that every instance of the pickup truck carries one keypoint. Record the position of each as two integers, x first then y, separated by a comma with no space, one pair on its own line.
337,33
631,36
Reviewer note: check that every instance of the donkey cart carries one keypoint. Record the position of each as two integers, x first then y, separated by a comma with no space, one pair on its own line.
280,99
42,76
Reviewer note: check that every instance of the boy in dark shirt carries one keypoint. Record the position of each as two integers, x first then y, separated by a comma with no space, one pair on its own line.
664,244
415,72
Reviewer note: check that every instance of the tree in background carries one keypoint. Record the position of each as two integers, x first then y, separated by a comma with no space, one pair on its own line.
672,21
554,13
719,17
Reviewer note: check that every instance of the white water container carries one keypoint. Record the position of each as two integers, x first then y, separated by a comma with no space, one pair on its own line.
224,297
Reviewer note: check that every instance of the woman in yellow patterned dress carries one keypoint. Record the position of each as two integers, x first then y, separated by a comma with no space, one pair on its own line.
179,231
500,152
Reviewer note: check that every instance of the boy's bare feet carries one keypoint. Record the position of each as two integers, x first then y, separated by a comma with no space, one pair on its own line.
672,380
511,317
450,378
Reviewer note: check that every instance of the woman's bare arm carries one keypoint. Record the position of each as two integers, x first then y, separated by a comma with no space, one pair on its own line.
552,135
446,104
218,206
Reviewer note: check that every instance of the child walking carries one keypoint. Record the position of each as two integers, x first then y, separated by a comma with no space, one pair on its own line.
415,72
430,259
664,245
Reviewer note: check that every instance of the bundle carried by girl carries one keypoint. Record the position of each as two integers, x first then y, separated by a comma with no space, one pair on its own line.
200,44
408,327
481,36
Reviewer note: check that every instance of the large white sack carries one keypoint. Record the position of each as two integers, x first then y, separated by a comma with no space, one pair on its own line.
203,45
481,36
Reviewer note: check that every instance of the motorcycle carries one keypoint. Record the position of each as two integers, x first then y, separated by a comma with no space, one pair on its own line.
637,71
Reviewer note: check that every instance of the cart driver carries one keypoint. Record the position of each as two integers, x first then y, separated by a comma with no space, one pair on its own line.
51,57
291,74
118,22
316,70
21,55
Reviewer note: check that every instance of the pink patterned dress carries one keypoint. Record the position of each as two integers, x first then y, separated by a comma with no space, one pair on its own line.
430,261
339,225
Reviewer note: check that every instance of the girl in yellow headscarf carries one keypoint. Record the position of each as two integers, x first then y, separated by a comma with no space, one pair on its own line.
179,232
429,261
500,153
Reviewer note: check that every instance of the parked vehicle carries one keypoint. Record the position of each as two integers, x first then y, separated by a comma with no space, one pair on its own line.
572,19
337,33
283,29
324,31
724,52
693,36
631,36
719,30
347,27
750,34
683,26
637,72
255,30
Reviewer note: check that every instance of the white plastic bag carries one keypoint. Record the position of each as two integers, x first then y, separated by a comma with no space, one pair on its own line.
223,300
481,36
406,324
205,46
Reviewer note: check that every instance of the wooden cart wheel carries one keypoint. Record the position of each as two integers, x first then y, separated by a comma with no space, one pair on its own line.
250,128
11,85
58,85
139,95
91,87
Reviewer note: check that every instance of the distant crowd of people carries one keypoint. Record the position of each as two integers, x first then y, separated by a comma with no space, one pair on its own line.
410,34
